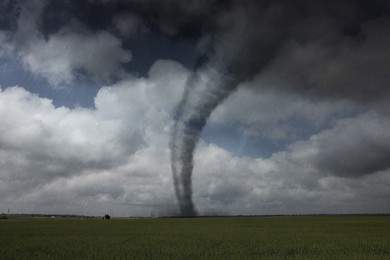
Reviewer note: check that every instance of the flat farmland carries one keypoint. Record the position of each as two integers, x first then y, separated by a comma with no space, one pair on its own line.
278,237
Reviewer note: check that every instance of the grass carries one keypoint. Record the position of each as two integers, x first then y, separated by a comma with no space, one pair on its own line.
298,237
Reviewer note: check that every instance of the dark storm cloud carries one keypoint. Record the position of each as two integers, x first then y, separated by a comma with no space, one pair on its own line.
232,47
60,54
240,39
247,38
303,42
319,49
337,66
8,12
221,25
355,147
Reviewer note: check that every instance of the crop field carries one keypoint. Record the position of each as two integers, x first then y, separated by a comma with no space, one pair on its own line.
285,237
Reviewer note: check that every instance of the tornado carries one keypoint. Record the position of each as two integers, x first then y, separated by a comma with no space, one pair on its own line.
206,89
243,39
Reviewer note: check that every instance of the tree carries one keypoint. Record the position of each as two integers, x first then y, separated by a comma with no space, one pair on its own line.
107,216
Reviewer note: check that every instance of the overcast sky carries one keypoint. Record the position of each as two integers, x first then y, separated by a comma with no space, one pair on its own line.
90,92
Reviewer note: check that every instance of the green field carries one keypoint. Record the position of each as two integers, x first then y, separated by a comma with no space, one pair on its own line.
293,237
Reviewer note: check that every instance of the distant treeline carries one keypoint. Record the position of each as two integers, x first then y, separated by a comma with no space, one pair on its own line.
69,216
48,216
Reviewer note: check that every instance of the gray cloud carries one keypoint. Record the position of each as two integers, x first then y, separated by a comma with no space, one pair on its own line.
273,114
237,51
40,143
286,183
332,57
339,67
60,56
129,24
40,175
55,155
354,147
